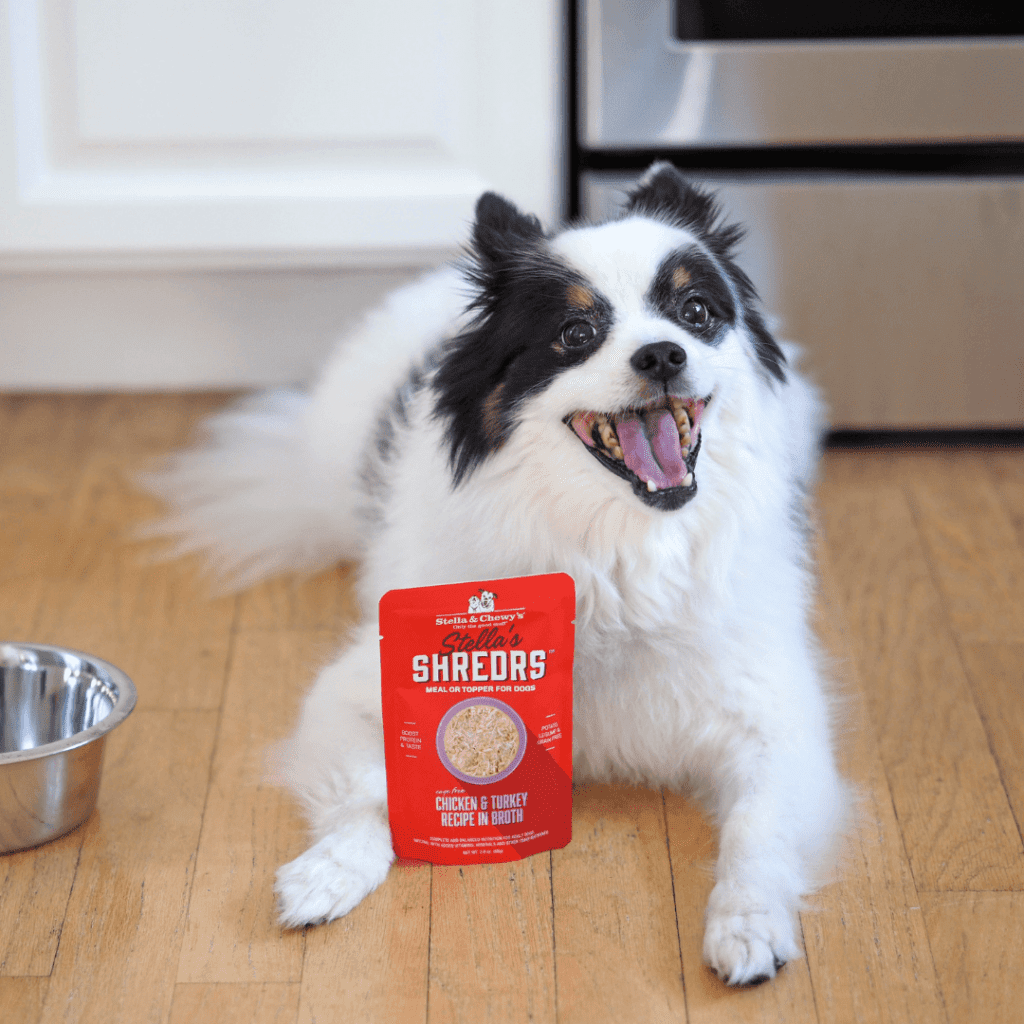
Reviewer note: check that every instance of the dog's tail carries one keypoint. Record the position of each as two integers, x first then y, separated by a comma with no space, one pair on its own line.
247,496
273,484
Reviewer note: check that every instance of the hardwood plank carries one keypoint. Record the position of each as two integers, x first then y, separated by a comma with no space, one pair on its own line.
996,674
971,544
616,943
866,942
51,432
325,601
67,572
226,1004
693,846
22,999
65,424
953,812
150,424
50,441
867,947
371,965
35,886
491,943
1005,467
978,944
119,947
153,621
250,827
40,469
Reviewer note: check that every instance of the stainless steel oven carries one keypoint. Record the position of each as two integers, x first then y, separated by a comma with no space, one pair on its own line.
876,153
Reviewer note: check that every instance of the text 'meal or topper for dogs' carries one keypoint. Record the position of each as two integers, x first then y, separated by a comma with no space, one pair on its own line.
476,685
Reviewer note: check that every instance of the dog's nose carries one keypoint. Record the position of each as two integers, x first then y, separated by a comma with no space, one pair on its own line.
660,361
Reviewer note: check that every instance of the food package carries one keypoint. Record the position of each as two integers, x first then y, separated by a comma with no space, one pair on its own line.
476,684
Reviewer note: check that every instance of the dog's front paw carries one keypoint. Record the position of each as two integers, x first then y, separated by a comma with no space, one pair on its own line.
747,940
330,878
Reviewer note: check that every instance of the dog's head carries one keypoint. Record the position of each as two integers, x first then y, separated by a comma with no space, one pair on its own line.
621,334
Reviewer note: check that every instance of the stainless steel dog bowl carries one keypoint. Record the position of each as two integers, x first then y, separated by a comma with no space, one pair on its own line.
56,709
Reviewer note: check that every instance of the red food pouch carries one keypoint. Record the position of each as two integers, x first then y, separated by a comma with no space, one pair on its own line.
476,682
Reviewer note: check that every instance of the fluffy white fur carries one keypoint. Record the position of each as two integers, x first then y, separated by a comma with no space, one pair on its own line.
695,664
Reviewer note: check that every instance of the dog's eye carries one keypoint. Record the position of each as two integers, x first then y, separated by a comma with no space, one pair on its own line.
579,333
695,312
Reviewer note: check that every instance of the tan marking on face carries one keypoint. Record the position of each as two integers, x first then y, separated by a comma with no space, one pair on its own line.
492,413
580,297
680,277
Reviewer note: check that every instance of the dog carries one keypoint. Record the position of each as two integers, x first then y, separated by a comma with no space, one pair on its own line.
604,400
482,603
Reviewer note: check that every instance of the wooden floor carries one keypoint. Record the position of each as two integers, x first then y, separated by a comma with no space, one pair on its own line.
159,908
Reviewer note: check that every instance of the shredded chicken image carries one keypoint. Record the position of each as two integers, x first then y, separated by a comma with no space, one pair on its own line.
481,741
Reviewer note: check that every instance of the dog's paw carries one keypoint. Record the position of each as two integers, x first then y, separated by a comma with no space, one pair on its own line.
746,941
330,878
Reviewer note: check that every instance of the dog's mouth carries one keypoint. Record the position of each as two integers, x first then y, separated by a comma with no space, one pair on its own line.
653,446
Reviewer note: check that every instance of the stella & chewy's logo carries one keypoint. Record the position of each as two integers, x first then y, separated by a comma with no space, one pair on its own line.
482,601
480,612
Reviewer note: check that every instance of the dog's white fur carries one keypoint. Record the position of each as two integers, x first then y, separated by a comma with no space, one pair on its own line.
695,665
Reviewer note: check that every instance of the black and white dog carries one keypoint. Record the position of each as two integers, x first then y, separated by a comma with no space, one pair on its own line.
604,401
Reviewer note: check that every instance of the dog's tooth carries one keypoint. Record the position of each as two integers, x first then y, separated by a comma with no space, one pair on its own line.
604,428
652,486
617,451
688,479
682,423
684,451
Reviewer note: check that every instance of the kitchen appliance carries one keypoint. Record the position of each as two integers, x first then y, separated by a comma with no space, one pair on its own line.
876,153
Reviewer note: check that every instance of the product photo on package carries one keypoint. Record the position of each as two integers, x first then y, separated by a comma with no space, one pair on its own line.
477,697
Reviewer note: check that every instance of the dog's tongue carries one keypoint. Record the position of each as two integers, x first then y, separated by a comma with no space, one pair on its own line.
650,447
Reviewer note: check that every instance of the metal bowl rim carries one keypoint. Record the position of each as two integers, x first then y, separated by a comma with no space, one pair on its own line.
102,670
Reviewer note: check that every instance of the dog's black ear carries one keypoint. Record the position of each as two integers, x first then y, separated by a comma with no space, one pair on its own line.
500,227
665,194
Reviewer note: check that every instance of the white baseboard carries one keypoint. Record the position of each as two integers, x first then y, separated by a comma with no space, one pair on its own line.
163,330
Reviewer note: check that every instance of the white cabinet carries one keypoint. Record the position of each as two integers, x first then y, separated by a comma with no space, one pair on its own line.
191,140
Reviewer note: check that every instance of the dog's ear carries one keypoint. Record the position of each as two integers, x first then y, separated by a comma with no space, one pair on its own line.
500,227
665,194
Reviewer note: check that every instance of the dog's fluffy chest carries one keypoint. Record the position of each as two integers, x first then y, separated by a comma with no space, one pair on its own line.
670,675
651,707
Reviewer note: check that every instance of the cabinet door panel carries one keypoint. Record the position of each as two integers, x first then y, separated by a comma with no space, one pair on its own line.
242,132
